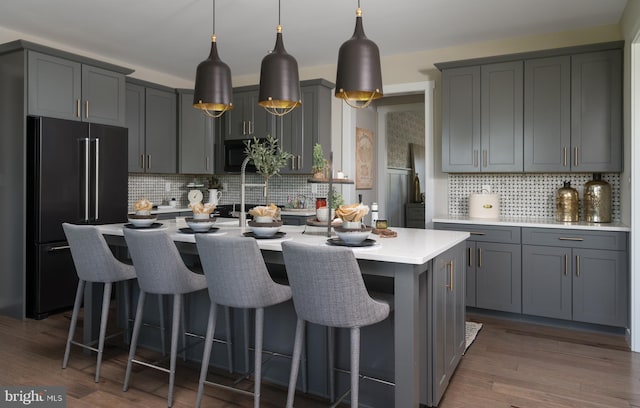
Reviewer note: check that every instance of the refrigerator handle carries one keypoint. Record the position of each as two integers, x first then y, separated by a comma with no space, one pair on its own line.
97,205
86,178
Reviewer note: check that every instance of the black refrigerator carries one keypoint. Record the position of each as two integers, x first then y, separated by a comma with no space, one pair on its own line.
76,173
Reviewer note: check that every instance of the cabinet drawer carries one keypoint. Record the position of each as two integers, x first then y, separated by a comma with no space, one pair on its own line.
610,240
485,233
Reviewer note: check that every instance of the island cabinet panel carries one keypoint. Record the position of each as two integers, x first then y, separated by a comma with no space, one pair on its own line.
151,120
580,276
196,137
65,89
448,319
493,266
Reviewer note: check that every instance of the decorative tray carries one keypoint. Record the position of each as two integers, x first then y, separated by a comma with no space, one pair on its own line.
277,235
188,230
152,226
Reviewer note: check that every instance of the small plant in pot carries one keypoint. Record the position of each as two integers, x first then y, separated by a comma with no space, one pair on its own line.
268,158
318,162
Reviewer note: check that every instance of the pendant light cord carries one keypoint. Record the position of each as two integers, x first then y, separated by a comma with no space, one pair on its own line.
214,17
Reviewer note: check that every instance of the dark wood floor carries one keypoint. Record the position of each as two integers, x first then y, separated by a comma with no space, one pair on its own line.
509,365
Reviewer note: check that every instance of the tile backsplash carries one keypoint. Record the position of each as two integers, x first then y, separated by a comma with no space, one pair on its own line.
281,189
525,195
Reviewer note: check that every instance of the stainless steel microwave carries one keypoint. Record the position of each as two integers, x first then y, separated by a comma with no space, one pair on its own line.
234,155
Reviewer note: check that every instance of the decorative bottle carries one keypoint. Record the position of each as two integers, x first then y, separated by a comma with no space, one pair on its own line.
597,200
567,203
374,214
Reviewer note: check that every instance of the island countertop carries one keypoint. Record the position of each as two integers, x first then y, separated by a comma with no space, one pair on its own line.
411,246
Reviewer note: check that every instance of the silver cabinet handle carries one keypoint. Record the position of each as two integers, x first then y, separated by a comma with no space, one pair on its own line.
575,156
86,109
78,107
59,248
470,257
578,265
476,233
484,158
571,239
566,264
299,162
475,158
206,163
97,204
479,258
142,161
564,156
86,178
244,127
149,161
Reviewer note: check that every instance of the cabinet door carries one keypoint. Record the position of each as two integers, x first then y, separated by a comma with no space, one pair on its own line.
160,136
502,125
288,131
196,137
498,277
135,96
461,119
596,114
54,87
247,119
103,95
547,114
459,291
470,288
546,281
600,286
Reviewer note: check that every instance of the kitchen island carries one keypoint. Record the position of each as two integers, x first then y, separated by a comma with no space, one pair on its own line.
403,265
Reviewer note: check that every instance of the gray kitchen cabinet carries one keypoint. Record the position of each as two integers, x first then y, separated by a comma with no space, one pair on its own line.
66,89
482,118
151,119
447,318
247,119
493,269
547,114
308,124
461,119
576,275
501,94
596,112
196,137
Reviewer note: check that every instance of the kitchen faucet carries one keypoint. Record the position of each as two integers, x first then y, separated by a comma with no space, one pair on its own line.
243,184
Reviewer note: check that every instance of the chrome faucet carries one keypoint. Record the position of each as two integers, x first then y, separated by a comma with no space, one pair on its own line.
243,184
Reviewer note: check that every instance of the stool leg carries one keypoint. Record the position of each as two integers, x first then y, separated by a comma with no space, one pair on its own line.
331,363
106,301
295,361
258,356
355,365
127,308
228,328
134,339
175,328
206,355
183,319
74,322
163,333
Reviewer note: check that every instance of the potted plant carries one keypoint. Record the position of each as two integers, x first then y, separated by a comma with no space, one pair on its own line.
318,162
336,198
268,158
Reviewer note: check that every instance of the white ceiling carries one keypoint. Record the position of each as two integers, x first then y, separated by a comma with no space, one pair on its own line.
173,36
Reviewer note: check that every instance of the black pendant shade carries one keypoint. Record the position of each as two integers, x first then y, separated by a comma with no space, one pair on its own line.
213,84
359,75
279,81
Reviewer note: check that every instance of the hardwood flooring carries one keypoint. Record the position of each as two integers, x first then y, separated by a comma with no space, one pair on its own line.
510,364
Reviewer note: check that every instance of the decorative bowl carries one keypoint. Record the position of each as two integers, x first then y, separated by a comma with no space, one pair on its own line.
322,214
138,220
352,236
263,219
264,229
203,216
199,225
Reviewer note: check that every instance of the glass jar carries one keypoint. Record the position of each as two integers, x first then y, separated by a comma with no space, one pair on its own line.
321,202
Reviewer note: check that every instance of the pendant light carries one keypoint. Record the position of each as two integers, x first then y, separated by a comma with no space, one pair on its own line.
213,89
279,82
359,76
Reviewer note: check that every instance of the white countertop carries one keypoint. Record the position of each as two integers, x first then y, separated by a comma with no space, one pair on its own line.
411,246
534,222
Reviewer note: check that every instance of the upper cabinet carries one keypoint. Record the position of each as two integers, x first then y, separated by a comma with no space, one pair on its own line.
299,130
151,119
247,119
482,118
66,89
547,111
196,137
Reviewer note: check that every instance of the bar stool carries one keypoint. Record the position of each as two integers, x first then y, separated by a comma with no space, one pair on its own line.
328,290
94,263
160,270
237,277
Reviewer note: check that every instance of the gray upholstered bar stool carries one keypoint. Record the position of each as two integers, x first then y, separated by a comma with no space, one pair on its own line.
237,277
94,262
328,290
160,270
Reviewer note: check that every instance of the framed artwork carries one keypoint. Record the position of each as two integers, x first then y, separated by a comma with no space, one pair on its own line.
364,159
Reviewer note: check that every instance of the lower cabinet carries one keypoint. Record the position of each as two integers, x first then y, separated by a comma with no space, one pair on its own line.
447,318
493,266
575,275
